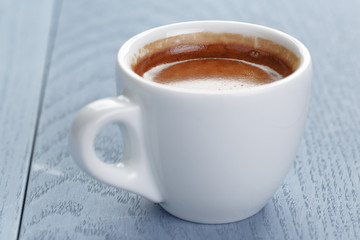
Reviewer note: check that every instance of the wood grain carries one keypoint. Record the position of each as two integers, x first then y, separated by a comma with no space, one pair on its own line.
320,196
25,28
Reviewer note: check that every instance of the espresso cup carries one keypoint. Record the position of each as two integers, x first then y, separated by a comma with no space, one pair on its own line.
204,156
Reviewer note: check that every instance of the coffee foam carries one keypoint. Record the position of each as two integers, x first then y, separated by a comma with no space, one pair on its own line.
212,83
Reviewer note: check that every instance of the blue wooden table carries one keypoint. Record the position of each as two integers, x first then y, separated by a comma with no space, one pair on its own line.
57,56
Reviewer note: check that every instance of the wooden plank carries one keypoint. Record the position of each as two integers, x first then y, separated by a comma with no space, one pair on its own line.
24,34
320,196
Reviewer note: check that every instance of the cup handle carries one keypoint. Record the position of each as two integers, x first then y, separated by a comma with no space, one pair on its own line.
133,173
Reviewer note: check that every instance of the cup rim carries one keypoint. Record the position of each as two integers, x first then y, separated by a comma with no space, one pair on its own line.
304,55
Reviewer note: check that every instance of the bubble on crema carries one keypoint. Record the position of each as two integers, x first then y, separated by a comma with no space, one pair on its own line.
210,84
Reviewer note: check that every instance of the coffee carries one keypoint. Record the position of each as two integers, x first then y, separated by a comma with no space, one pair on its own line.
219,64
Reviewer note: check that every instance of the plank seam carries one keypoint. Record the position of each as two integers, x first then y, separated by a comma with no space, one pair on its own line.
47,64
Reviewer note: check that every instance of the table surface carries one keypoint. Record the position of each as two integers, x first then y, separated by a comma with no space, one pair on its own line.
57,56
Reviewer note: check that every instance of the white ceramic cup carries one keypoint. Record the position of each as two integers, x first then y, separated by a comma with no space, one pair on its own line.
207,157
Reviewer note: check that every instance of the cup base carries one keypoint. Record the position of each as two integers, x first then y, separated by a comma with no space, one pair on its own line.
235,217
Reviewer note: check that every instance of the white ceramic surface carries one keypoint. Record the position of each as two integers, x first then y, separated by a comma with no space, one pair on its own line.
208,157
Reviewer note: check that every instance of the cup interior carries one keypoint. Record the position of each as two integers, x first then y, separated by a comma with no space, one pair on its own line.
206,32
